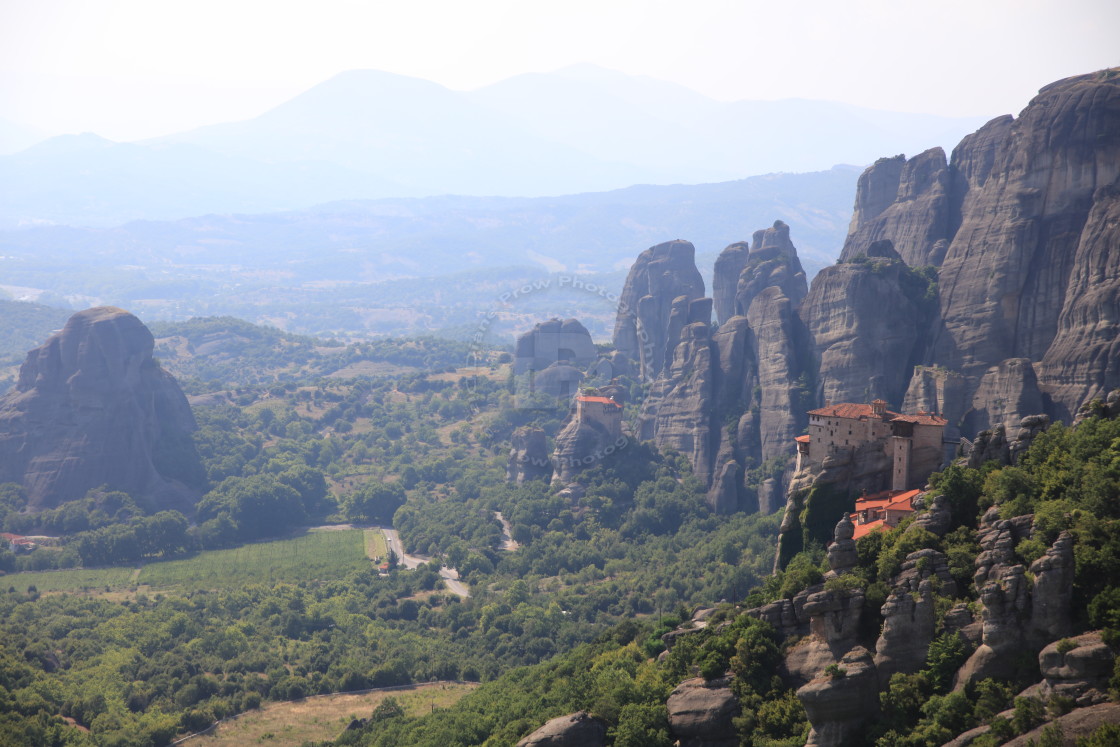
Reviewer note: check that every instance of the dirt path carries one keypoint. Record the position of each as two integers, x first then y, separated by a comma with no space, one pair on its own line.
508,542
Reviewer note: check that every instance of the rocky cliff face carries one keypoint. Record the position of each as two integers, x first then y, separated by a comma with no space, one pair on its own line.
661,275
906,202
528,456
983,287
862,351
93,408
731,398
1019,224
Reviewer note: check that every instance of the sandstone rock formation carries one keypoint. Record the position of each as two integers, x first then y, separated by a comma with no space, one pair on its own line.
834,628
842,556
837,705
549,362
771,262
1020,319
907,202
1016,616
1019,223
909,624
551,342
586,440
528,456
701,713
732,399
860,352
661,275
1078,668
725,278
574,730
91,408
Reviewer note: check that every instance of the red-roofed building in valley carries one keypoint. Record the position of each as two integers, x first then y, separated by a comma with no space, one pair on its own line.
602,410
882,511
912,442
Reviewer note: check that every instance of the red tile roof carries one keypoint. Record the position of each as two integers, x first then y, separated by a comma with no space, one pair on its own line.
600,400
851,410
802,439
922,418
862,530
903,501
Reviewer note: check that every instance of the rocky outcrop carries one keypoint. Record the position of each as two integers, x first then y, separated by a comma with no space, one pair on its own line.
1036,195
909,624
661,275
834,626
701,713
788,616
907,202
731,399
1107,407
1075,726
771,263
937,517
1052,592
574,730
680,412
1078,668
839,703
842,556
1016,617
997,445
549,363
92,407
528,456
551,342
777,339
935,389
581,444
1021,226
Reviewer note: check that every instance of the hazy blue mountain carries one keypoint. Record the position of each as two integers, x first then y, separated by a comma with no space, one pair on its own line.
643,120
418,133
366,134
88,180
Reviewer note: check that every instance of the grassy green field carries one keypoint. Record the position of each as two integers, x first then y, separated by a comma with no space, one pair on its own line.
314,556
317,555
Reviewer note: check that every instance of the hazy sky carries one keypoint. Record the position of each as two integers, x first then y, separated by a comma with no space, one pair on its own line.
135,68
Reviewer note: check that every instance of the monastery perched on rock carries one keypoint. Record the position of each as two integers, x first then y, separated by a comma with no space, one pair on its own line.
913,443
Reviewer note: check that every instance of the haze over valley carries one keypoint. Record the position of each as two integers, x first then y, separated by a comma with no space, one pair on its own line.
612,375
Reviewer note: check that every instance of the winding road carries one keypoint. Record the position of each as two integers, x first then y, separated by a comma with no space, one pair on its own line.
450,576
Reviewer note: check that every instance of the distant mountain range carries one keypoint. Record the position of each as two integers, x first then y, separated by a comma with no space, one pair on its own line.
368,134
410,265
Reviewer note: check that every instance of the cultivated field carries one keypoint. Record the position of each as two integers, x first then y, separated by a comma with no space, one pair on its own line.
314,556
317,555
78,579
322,718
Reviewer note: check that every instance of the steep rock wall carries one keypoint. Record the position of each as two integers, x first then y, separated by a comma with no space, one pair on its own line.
91,408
